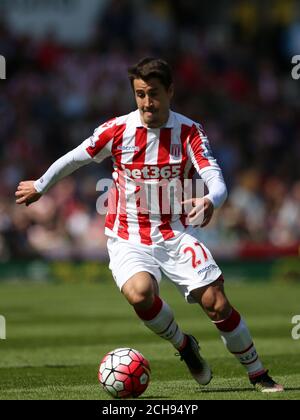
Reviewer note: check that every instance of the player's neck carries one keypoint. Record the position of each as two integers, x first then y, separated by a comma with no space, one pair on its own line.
157,124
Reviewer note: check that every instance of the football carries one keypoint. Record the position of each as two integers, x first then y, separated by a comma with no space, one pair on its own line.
124,373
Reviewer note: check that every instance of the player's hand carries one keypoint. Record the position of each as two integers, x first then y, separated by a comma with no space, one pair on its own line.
202,211
26,193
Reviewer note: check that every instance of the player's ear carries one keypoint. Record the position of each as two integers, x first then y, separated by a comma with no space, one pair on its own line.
171,91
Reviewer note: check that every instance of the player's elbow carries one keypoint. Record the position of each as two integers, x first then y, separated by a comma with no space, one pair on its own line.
225,194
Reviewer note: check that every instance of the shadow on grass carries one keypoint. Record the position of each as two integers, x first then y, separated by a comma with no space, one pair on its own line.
292,389
45,366
209,391
219,390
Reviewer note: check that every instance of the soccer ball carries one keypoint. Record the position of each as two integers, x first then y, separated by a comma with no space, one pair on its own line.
124,373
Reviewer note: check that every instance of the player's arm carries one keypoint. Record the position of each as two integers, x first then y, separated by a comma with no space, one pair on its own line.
96,148
30,191
207,167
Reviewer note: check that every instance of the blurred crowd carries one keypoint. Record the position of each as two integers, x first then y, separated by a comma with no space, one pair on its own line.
232,67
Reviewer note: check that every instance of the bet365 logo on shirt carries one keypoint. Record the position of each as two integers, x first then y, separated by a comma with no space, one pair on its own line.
296,329
2,328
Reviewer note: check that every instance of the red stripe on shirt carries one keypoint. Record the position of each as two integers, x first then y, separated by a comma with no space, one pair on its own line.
164,158
142,213
113,199
196,144
123,223
105,137
117,153
184,135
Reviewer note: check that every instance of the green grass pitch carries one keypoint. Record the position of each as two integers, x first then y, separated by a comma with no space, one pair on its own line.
58,333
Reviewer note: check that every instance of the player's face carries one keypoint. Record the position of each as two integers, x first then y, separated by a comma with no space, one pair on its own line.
153,101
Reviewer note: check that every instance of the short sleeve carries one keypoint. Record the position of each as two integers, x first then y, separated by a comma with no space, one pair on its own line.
99,145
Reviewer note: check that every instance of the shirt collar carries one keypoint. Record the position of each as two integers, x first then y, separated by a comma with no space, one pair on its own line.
169,124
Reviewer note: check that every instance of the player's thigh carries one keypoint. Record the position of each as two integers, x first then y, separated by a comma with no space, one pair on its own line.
190,265
133,265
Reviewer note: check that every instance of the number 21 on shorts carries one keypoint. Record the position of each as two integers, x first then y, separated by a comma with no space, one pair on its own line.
198,253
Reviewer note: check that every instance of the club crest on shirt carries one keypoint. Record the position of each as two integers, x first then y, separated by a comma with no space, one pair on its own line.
175,151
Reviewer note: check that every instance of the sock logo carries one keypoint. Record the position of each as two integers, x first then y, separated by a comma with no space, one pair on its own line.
2,328
296,329
248,358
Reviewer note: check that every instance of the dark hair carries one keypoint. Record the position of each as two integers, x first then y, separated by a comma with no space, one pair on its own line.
149,68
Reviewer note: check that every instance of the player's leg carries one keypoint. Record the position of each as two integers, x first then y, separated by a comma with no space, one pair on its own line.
234,333
193,270
233,330
177,268
137,276
142,292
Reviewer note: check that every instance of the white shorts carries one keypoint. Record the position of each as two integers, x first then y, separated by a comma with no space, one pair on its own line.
183,259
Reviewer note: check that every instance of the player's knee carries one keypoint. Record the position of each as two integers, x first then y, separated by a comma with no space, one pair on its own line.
140,291
140,298
142,301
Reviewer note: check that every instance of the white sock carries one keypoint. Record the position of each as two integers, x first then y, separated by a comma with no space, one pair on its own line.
160,319
237,338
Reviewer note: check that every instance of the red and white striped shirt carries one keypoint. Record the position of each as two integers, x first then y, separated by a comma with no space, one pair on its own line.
144,156
151,155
